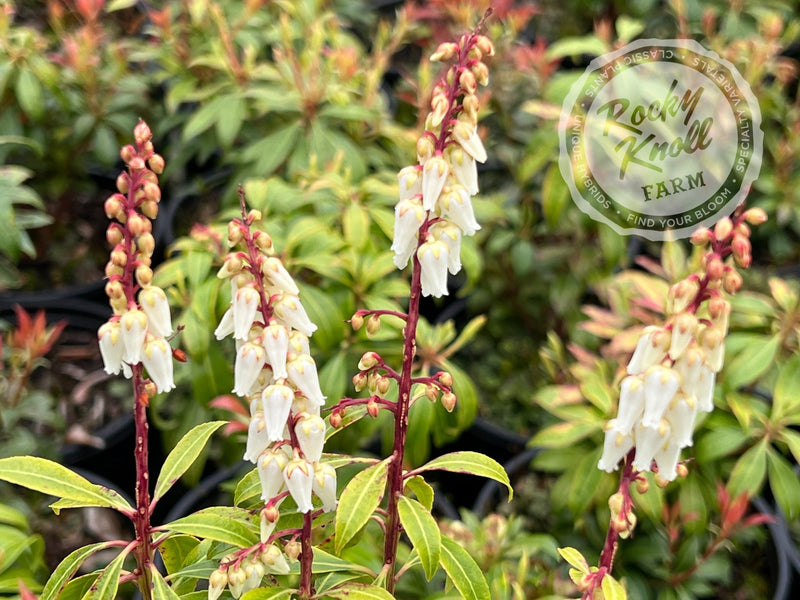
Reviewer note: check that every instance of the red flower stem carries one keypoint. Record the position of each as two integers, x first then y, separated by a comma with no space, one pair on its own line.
306,558
612,536
144,548
395,474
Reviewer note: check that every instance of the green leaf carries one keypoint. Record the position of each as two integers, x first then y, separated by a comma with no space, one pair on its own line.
269,153
749,471
205,117
324,562
786,397
67,568
29,94
561,435
357,591
161,589
106,585
422,530
228,525
574,558
784,484
115,5
463,571
470,463
792,440
230,121
183,455
11,516
358,501
752,362
612,589
268,593
355,223
51,478
421,489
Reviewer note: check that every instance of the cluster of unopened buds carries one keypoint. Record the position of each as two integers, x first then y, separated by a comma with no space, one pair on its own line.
244,570
275,372
672,372
140,326
435,206
376,376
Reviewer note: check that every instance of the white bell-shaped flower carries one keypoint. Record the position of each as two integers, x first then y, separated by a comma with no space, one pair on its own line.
408,217
650,350
267,527
271,464
409,182
465,170
157,359
111,347
276,400
705,389
457,206
257,440
277,274
324,485
667,458
681,415
298,343
434,175
303,374
649,440
236,580
434,257
245,306
254,573
274,560
660,385
683,330
288,309
631,403
712,343
225,327
217,582
467,137
299,477
616,445
155,305
250,360
301,404
133,332
688,366
276,344
450,234
310,432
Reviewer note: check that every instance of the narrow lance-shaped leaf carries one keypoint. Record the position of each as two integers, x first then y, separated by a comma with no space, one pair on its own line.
67,568
161,589
220,526
358,591
358,501
49,477
422,530
463,571
470,463
106,585
183,456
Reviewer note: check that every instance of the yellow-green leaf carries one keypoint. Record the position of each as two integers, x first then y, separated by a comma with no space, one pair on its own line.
230,526
463,571
784,484
161,589
106,585
749,471
358,501
358,591
51,478
574,558
67,568
612,589
470,463
422,530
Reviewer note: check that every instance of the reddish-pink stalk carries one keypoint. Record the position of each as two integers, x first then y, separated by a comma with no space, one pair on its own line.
395,470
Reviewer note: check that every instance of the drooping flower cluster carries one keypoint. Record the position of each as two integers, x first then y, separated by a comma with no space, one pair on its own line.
139,329
435,206
275,372
671,375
